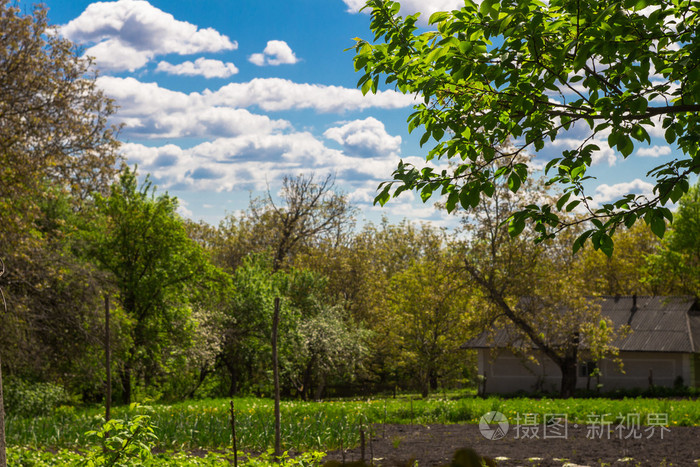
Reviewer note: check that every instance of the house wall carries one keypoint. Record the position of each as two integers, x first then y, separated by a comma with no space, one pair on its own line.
695,370
508,373
663,368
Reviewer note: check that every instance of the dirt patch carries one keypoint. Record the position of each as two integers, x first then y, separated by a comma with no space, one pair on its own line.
433,445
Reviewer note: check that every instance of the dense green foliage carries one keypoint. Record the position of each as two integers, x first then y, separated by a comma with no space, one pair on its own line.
498,78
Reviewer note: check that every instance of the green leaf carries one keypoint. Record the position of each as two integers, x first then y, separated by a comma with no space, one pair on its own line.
451,202
581,240
606,245
670,135
562,200
516,225
658,225
625,145
438,16
570,207
424,139
513,182
383,197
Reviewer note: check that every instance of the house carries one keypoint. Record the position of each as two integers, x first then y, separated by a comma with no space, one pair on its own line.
662,349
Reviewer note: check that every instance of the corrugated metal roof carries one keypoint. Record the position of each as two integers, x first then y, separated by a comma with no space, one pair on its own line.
658,324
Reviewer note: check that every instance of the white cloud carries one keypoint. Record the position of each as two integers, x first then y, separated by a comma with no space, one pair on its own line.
128,33
273,94
654,151
605,154
365,138
250,162
141,103
275,53
200,67
409,7
606,193
182,209
355,5
151,111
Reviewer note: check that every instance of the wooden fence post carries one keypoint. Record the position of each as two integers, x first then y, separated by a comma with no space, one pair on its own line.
108,363
276,376
233,433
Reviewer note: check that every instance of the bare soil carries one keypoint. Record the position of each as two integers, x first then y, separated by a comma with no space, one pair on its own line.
435,445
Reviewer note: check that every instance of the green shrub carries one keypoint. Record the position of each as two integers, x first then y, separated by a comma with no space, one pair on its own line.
25,399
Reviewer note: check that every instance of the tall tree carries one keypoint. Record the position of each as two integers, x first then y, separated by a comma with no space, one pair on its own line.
532,289
53,130
311,211
675,269
504,70
143,243
427,320
625,272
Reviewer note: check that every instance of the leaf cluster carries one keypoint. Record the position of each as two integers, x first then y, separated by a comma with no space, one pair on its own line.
525,72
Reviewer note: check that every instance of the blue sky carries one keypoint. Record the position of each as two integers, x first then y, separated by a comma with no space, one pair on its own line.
222,98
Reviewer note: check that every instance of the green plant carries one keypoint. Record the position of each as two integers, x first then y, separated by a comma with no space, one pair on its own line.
124,442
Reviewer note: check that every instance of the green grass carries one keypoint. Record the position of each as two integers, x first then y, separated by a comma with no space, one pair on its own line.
319,425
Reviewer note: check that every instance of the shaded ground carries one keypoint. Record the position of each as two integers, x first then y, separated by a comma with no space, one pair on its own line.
432,445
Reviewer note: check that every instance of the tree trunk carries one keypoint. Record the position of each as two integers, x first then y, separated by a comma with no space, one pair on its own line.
203,372
320,387
307,382
568,377
125,375
425,384
3,457
233,387
433,380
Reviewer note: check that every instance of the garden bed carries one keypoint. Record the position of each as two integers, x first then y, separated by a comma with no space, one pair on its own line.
435,444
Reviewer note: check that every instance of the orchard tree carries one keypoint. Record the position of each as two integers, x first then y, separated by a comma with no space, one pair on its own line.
525,72
427,320
534,291
157,268
332,346
625,272
245,352
311,212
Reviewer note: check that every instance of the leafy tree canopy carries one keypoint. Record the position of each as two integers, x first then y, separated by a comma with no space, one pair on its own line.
54,134
159,271
676,267
523,72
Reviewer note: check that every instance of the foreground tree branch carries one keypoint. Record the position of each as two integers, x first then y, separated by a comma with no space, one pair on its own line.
621,68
